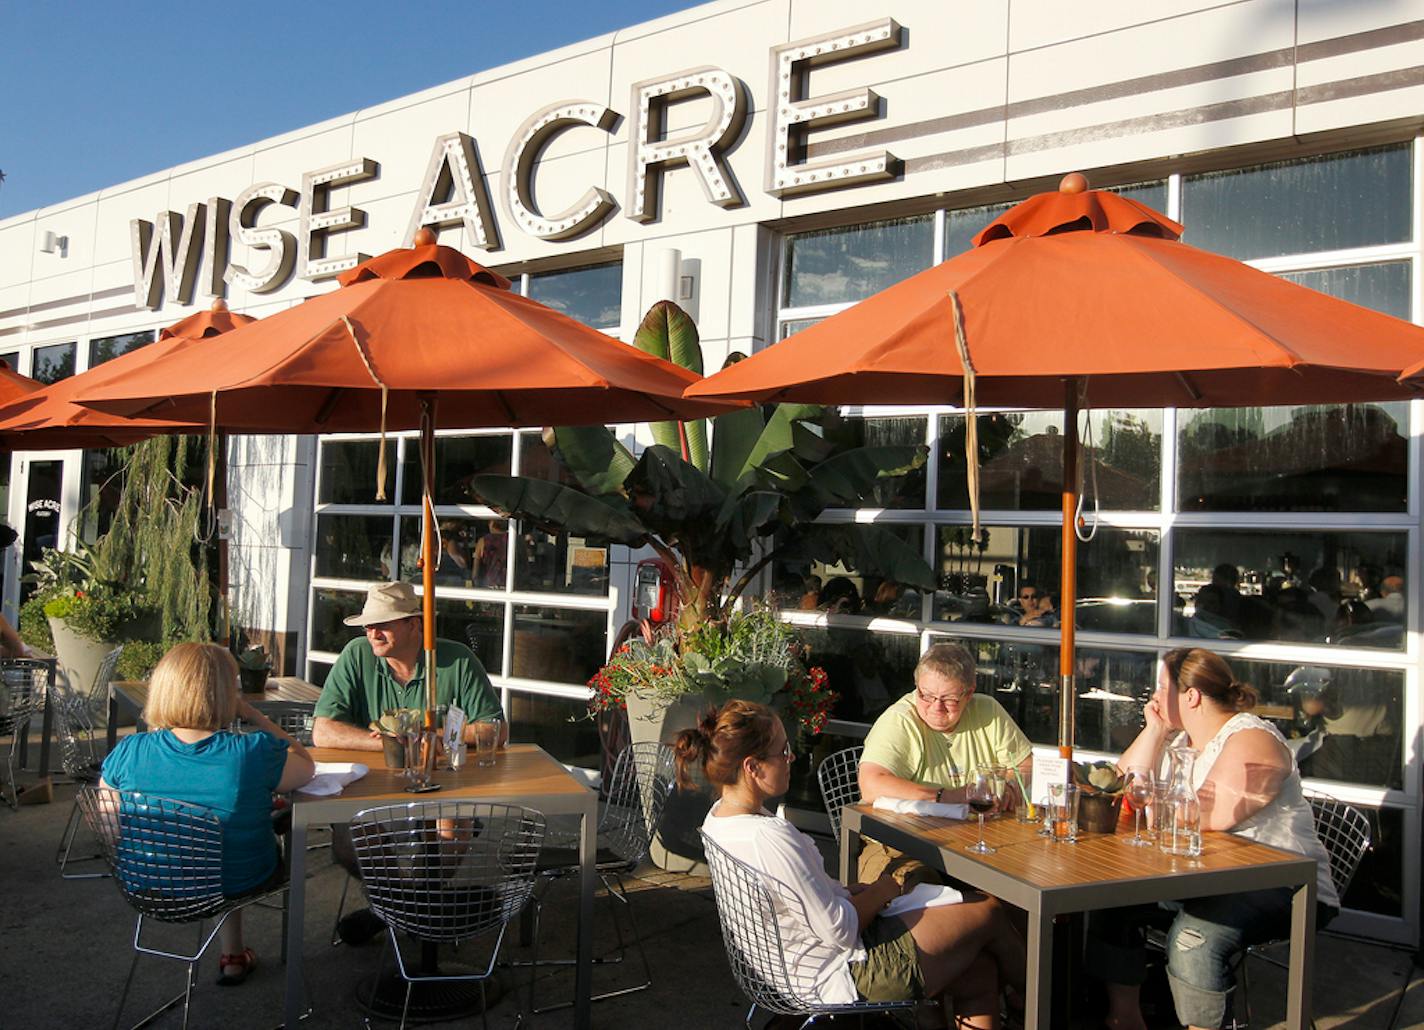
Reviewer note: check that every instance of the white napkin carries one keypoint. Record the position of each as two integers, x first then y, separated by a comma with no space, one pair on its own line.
925,895
938,809
331,777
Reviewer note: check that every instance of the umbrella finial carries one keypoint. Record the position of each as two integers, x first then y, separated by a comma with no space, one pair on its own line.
424,236
1073,182
219,304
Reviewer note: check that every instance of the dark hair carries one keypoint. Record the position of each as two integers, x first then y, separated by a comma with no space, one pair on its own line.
722,739
1194,668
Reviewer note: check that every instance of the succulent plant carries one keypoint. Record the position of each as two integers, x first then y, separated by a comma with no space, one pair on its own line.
1100,777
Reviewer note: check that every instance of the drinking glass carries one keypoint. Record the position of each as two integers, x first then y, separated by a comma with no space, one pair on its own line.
486,741
1000,780
980,795
1063,800
1140,785
457,754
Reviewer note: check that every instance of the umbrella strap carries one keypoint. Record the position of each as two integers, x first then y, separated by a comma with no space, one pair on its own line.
1088,457
385,395
212,443
971,416
427,479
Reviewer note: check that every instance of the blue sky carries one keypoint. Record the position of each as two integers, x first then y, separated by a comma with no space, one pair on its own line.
96,93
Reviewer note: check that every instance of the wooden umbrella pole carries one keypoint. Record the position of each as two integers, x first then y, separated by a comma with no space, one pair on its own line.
427,553
1067,686
218,500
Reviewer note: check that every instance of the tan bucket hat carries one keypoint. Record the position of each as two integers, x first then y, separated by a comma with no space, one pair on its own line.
386,602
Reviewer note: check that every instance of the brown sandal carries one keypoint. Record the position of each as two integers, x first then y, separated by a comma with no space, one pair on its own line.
233,969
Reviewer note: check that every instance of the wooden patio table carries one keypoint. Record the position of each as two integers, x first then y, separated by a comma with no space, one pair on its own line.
1046,879
523,774
280,692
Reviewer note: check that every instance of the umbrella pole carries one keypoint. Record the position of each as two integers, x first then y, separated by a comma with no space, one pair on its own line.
219,504
1067,687
427,554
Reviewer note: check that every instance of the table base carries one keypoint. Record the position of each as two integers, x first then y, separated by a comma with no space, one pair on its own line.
384,997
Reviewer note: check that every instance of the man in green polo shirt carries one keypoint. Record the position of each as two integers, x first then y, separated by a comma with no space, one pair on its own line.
386,669
926,745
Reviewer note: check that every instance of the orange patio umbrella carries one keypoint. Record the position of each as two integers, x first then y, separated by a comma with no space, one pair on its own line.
1084,299
405,330
13,385
48,418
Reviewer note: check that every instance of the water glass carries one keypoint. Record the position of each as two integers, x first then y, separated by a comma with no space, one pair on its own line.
1063,799
486,741
457,754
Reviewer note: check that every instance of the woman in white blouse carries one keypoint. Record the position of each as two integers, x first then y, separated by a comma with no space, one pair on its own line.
960,954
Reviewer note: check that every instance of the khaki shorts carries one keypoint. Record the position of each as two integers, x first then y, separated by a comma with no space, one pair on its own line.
891,970
876,860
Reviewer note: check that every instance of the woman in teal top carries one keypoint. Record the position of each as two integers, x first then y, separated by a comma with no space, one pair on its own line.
190,755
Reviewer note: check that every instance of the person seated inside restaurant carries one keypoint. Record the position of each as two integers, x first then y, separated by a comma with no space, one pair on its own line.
382,670
190,754
1388,604
1248,784
835,936
927,745
839,596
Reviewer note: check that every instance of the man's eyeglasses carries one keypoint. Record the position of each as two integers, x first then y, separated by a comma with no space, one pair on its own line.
942,700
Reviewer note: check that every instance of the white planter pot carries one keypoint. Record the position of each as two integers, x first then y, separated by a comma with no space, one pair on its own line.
78,657
677,847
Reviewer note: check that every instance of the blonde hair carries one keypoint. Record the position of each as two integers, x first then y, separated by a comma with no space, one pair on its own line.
193,687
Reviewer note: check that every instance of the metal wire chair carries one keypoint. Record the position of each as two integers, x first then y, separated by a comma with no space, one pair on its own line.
445,872
24,685
747,904
839,778
1345,832
77,759
166,857
98,697
637,793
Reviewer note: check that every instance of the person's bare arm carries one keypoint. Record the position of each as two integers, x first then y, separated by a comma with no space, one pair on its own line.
327,732
1245,778
11,646
876,781
1146,750
870,898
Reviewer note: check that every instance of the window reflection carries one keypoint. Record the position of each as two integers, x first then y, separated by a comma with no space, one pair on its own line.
348,471
593,295
1021,460
1112,687
1383,287
557,563
564,645
458,459
1342,724
907,491
1337,457
353,547
329,607
1293,207
476,624
559,725
53,363
1013,578
474,552
837,266
806,584
1344,588
870,671
109,347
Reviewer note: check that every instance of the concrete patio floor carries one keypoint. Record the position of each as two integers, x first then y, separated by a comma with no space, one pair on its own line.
65,949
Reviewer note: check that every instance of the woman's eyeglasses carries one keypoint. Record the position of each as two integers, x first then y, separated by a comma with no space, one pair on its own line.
941,700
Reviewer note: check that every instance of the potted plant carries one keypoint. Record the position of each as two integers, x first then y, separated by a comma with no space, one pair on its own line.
1100,792
253,668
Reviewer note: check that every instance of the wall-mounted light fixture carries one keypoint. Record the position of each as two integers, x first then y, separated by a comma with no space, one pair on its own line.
51,242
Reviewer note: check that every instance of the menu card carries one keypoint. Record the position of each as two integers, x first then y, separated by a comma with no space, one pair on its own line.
1047,769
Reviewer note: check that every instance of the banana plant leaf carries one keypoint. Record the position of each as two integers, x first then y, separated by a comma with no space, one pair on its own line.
870,550
556,508
668,492
593,454
843,480
669,333
771,457
733,437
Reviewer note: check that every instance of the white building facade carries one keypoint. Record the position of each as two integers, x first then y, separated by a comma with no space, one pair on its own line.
767,163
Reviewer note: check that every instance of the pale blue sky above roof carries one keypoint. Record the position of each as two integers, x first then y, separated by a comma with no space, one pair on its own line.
96,93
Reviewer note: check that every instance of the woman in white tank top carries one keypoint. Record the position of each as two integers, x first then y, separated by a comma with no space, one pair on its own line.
1248,784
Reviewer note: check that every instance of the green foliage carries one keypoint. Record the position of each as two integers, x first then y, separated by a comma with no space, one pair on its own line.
254,658
669,333
101,615
138,659
34,627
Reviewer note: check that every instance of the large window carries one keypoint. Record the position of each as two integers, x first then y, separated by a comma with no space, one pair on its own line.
1284,537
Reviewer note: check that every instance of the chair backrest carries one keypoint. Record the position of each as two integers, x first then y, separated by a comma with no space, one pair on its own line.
751,935
24,683
75,729
447,870
839,777
99,689
165,855
1345,832
637,793
296,720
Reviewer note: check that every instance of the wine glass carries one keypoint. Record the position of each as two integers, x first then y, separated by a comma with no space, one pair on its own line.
979,793
1140,784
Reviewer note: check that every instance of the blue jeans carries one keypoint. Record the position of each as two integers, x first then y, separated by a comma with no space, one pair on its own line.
1204,938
